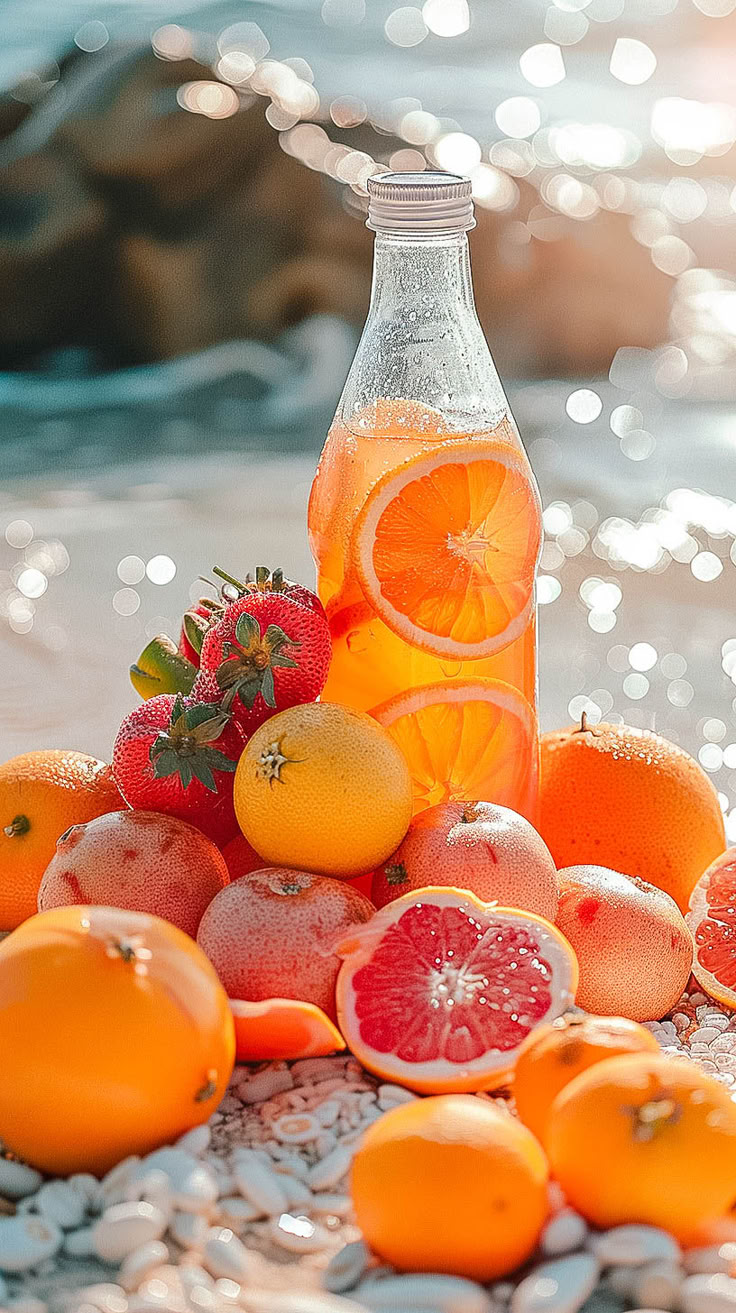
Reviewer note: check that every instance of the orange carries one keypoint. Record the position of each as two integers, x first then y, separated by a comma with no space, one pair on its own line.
281,1028
645,1138
711,921
240,858
140,860
322,788
450,1184
445,548
116,1037
467,740
630,800
553,1055
41,795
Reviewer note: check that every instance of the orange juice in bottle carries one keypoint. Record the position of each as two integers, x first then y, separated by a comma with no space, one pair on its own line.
424,517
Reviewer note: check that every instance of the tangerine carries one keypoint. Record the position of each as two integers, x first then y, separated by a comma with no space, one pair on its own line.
116,1037
554,1054
482,1167
645,1138
41,795
638,803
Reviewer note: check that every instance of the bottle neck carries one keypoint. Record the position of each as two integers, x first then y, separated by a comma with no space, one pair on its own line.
423,277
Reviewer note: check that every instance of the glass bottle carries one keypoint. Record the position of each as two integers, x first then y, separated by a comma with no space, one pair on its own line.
425,520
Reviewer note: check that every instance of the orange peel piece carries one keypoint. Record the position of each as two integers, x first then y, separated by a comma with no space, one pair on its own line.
281,1028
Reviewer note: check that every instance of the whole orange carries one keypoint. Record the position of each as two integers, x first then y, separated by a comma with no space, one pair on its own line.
450,1184
322,788
553,1055
628,799
41,795
116,1037
645,1138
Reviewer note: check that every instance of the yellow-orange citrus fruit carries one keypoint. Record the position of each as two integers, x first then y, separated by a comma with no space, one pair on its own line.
116,1037
645,1138
552,1055
480,1167
630,800
281,1028
41,795
711,918
322,788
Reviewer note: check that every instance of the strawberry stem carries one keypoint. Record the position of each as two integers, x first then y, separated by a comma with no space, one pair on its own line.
229,579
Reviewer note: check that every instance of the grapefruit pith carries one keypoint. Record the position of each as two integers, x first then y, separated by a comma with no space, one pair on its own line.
438,990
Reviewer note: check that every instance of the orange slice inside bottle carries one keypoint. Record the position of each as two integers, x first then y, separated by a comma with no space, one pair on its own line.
445,548
464,739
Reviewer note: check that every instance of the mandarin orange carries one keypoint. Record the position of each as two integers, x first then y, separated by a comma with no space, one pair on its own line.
554,1054
477,1165
41,795
628,799
116,1037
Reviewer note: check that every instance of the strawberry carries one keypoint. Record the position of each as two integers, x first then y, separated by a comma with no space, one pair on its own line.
179,756
195,623
207,611
267,652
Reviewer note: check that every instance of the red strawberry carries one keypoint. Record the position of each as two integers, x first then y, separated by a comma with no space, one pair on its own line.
268,652
195,623
207,611
266,582
179,756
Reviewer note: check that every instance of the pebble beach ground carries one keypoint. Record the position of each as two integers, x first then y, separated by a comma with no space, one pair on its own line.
253,1212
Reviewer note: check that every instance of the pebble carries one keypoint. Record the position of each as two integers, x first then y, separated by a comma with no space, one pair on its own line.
560,1286
298,1234
565,1232
445,1294
27,1304
188,1229
260,1185
265,1301
634,1245
334,1205
137,1265
235,1210
80,1244
327,1113
346,1267
196,1141
17,1180
225,1255
3,1290
86,1186
58,1202
297,1128
192,1183
710,1259
105,1296
708,1294
331,1170
112,1187
704,1035
265,1084
390,1095
26,1241
193,1277
297,1193
125,1227
658,1285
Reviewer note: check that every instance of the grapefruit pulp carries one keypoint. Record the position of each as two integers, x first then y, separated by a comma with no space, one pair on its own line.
712,919
438,990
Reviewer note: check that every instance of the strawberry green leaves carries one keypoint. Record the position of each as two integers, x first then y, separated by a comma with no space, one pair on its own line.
250,661
185,747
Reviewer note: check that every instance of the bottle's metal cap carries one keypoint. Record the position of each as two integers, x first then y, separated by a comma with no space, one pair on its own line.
419,202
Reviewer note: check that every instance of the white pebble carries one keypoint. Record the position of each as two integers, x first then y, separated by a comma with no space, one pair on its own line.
710,1259
565,1232
193,1277
196,1141
17,1180
704,1035
188,1229
81,1243
125,1227
560,1286
331,1205
298,1234
345,1268
724,1043
58,1202
326,1142
225,1255
328,1112
634,1245
658,1286
296,1128
104,1295
192,1183
260,1185
681,1020
27,1304
708,1294
622,1281
297,1192
266,1301
236,1211
112,1187
264,1085
137,1265
389,1095
331,1170
26,1241
443,1294
3,1290
87,1187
